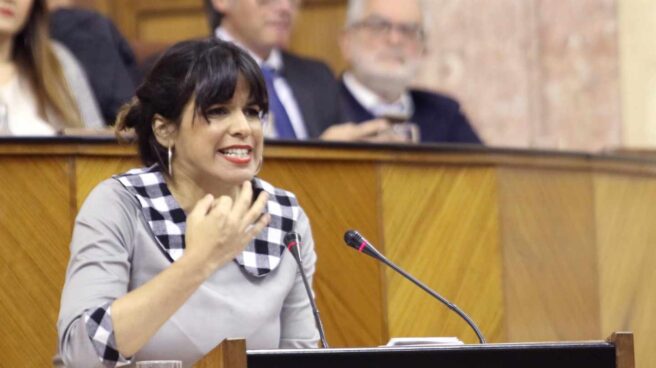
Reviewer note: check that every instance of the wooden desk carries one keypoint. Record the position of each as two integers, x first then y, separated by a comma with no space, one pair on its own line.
535,246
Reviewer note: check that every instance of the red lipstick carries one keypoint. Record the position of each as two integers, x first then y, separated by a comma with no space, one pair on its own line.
7,12
237,159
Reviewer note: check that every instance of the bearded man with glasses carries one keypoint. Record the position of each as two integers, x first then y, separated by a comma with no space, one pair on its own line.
384,43
303,93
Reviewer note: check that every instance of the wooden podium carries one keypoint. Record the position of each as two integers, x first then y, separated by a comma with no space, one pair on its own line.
616,352
533,245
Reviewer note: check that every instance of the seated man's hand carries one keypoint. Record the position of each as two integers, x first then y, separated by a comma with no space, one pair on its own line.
376,130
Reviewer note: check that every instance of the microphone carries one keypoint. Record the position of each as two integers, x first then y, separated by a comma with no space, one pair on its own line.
354,240
293,242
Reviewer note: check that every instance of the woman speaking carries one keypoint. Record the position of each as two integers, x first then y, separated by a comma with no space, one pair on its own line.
170,259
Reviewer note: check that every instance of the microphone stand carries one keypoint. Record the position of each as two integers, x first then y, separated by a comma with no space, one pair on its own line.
315,310
293,241
450,305
355,240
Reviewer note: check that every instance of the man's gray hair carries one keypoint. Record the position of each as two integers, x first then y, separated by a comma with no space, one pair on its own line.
356,8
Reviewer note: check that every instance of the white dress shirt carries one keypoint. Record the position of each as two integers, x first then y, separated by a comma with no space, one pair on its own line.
403,107
22,116
284,91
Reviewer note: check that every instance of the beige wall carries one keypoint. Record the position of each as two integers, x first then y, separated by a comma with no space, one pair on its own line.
570,74
637,19
530,73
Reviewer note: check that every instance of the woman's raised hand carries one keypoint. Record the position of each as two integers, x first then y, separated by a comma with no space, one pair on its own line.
218,229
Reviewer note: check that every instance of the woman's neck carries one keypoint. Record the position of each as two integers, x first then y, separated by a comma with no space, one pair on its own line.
187,191
7,67
6,44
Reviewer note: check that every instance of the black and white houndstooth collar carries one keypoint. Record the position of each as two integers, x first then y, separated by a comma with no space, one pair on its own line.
168,221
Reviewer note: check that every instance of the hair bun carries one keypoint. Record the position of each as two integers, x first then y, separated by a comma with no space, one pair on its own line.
133,117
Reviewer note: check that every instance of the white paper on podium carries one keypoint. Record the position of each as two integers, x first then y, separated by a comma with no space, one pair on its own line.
424,341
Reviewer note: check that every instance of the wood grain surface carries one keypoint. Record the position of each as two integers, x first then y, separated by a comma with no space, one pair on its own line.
550,270
230,353
35,228
533,245
440,225
164,22
626,240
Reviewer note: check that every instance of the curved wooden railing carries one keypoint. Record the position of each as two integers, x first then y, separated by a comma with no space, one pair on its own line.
534,245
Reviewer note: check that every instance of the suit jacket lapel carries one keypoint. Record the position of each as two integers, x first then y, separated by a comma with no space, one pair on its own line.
351,107
301,89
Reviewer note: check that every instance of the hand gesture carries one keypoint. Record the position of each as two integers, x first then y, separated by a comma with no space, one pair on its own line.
219,228
374,131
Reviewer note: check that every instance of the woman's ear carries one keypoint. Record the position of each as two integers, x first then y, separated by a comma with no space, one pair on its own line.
164,131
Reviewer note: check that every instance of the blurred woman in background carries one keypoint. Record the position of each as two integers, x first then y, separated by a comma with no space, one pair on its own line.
43,90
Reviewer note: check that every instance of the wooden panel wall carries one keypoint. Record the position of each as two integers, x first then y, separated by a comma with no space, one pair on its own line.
550,270
163,22
317,31
624,216
35,228
105,7
441,226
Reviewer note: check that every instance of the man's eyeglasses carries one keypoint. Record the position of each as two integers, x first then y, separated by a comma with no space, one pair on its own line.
383,27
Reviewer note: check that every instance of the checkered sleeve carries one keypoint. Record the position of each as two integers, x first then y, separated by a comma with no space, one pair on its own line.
101,332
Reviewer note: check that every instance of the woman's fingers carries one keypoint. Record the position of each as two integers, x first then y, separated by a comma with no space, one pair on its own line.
243,199
235,218
219,228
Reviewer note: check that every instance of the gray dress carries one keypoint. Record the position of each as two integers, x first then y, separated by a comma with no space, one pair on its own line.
113,251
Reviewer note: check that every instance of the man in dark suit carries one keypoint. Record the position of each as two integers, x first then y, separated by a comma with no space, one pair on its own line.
303,93
384,44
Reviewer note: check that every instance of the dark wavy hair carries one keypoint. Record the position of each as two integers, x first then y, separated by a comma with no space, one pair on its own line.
205,70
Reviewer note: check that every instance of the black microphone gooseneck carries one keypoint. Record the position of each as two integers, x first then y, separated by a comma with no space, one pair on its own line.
354,240
293,242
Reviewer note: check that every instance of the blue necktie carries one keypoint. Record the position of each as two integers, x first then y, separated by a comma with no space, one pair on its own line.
280,118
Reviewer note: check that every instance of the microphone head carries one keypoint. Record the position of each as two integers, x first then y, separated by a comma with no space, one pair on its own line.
293,241
355,240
